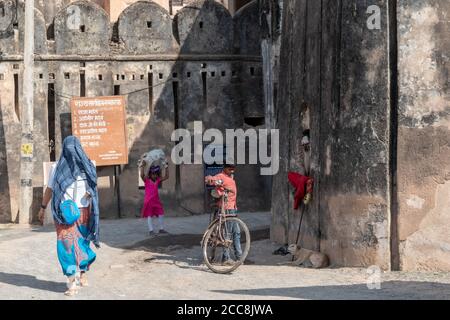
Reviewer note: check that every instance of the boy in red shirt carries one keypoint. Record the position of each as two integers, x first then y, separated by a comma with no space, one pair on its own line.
227,177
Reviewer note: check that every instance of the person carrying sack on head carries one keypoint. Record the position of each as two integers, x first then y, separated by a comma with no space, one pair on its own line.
153,208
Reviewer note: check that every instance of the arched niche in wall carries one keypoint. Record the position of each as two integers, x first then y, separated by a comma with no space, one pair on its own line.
146,27
204,26
7,20
12,19
82,28
247,30
50,8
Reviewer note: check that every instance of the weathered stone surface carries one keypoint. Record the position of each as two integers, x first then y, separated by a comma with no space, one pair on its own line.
9,136
50,8
7,30
82,28
281,200
149,126
328,63
40,136
423,135
355,155
247,33
118,6
204,26
219,91
12,26
145,27
347,75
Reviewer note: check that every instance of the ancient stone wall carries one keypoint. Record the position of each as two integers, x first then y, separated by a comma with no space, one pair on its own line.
9,134
145,28
247,39
50,8
192,73
335,69
377,103
11,72
204,27
354,151
79,24
423,135
11,35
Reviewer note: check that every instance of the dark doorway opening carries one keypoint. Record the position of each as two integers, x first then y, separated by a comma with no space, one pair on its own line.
150,93
82,84
205,89
117,90
51,121
175,89
393,147
16,96
51,32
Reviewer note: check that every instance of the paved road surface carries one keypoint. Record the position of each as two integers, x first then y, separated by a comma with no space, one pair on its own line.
129,266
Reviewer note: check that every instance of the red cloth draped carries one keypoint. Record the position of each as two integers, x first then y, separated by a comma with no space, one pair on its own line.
302,185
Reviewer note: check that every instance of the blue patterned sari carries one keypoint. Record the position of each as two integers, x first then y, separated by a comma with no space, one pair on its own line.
73,241
74,252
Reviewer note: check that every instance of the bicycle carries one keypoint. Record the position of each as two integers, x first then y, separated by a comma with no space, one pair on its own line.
218,238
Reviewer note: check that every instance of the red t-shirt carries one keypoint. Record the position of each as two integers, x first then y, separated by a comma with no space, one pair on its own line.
230,184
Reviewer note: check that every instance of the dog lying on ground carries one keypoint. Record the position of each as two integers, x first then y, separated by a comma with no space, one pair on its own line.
306,258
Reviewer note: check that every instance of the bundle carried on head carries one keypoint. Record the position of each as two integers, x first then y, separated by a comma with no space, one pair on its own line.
152,159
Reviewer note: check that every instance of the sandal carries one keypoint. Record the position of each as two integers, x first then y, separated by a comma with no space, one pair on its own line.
84,281
72,288
71,292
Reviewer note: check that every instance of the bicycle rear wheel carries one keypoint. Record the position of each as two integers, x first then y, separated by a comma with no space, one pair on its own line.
226,256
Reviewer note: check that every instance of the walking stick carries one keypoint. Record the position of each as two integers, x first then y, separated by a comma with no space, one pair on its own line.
300,226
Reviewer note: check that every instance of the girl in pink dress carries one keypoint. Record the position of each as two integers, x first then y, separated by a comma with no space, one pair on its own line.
153,207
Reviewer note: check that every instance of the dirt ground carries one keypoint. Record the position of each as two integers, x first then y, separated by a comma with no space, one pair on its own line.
131,266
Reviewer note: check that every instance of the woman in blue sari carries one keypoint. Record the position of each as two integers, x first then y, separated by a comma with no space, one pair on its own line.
74,177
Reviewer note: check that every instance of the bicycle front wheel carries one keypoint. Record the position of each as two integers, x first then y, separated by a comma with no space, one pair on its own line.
226,245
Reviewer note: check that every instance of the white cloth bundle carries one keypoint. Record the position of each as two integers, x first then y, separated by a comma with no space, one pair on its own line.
153,158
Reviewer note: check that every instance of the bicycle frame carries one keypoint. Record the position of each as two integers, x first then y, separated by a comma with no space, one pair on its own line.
222,217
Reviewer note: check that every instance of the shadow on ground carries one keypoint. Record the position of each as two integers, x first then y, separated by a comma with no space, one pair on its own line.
185,241
22,280
391,290
166,249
